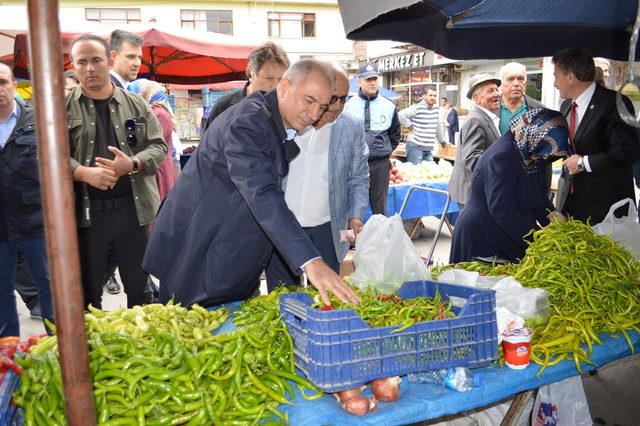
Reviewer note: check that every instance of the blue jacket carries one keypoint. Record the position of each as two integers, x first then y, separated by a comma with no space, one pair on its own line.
219,225
383,132
20,201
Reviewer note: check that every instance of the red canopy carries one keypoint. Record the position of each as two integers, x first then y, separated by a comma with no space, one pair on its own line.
183,56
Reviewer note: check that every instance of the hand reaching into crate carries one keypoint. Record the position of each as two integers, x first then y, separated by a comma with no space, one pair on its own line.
324,279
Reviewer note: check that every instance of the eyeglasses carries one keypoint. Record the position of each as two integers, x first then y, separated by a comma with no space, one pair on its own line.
342,99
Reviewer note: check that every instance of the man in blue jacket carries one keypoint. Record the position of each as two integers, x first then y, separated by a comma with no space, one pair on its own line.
21,223
219,225
382,128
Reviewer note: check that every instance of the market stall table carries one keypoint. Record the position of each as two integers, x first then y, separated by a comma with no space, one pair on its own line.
419,402
421,203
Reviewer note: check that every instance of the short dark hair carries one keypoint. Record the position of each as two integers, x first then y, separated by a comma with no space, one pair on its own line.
88,37
120,36
266,52
445,98
13,77
72,75
577,60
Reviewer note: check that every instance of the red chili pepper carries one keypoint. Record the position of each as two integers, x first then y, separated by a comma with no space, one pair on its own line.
440,314
6,362
326,308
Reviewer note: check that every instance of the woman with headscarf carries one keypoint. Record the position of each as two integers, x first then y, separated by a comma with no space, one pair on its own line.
153,92
509,191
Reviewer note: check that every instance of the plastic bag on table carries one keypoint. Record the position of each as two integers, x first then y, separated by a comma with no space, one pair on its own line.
623,230
385,256
561,403
531,304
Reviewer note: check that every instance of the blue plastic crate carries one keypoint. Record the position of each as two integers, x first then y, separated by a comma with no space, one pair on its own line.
337,350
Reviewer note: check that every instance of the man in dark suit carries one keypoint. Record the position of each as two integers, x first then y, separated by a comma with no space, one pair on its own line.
266,65
479,131
604,147
453,125
218,227
125,57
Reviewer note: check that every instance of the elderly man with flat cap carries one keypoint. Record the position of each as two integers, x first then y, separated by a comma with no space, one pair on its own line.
480,130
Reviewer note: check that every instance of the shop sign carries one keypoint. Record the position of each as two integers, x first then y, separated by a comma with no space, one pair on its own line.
401,62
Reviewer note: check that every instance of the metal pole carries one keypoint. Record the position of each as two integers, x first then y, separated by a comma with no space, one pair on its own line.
58,203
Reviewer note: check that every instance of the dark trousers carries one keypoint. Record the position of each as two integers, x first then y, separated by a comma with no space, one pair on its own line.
114,223
35,254
25,286
379,184
278,272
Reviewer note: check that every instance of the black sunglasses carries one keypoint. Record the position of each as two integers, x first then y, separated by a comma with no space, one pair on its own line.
335,99
130,126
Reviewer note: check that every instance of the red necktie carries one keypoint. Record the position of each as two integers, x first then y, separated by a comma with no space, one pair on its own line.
572,125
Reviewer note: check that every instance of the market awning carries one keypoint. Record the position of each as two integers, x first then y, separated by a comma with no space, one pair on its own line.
183,56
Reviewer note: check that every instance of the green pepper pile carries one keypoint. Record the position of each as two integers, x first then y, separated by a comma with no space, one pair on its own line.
593,287
383,310
160,365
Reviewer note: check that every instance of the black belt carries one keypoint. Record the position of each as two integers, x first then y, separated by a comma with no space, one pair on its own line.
112,203
374,159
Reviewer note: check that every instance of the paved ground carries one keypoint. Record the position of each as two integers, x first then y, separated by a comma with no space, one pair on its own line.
612,393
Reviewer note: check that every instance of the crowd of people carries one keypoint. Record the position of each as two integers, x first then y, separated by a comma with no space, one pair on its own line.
284,172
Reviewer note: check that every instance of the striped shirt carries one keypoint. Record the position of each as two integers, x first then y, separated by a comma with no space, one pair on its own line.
425,123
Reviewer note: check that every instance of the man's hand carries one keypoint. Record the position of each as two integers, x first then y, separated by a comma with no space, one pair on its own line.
120,165
556,216
356,225
96,176
572,164
323,278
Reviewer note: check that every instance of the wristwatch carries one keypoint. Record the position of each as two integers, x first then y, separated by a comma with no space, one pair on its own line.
580,165
135,168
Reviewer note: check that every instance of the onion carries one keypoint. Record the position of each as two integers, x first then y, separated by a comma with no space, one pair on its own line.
358,406
386,389
347,395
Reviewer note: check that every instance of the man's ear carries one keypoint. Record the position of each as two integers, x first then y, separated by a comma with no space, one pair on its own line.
283,87
112,57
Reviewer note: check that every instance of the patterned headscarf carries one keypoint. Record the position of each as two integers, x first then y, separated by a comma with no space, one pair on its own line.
542,133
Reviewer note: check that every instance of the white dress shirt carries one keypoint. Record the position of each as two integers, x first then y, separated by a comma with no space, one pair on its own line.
307,191
125,83
583,102
493,117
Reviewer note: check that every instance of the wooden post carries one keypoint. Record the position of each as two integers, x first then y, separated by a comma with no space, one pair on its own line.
58,202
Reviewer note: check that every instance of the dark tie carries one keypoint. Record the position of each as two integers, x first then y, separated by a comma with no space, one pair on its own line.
291,149
367,116
572,125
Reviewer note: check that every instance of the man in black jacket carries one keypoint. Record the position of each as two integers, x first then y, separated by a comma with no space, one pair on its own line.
21,223
604,147
267,64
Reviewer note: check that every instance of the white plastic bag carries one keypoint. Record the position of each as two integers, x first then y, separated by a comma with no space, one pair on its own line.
385,256
561,403
623,230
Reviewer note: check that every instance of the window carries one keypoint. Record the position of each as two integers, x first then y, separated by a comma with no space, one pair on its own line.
292,25
113,16
217,21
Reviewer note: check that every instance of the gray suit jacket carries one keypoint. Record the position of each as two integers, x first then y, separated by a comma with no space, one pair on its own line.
477,134
348,176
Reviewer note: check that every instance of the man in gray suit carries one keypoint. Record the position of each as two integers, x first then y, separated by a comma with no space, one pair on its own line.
327,187
480,130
